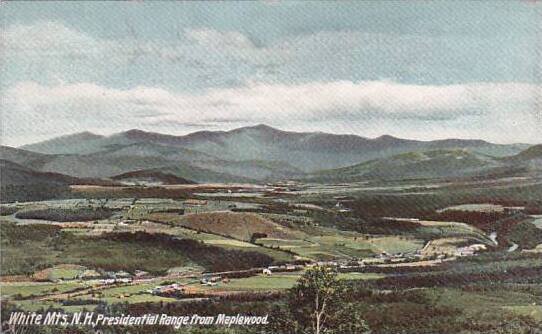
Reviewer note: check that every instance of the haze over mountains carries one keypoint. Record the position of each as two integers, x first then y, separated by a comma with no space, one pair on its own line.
261,153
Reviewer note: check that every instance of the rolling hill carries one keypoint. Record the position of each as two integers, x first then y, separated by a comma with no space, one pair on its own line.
414,165
150,177
18,182
121,155
438,164
240,226
531,155
22,157
80,143
189,172
13,174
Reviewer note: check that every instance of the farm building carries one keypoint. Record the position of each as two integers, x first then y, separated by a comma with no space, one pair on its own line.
210,280
89,274
119,276
470,250
122,274
195,202
167,290
141,274
513,209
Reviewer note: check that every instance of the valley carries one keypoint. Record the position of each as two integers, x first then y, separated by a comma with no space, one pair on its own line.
432,233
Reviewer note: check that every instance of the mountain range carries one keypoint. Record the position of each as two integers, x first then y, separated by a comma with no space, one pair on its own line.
262,153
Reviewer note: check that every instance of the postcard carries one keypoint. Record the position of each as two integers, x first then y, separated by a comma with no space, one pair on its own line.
271,167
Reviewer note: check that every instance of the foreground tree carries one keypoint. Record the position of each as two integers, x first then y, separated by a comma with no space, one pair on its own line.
318,304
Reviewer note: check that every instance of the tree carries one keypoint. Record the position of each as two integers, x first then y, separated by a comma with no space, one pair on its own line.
318,304
316,292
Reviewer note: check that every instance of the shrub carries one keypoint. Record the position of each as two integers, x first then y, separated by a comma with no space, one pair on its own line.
66,215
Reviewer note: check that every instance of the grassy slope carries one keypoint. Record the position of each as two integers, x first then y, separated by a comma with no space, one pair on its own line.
29,248
240,226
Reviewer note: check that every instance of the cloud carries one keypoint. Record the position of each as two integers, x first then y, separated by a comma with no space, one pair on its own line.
46,37
482,110
49,52
219,39
203,57
58,79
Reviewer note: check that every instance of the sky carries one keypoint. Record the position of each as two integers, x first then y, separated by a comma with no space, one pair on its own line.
419,69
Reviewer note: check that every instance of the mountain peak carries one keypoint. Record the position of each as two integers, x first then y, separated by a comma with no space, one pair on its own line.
141,135
258,127
134,132
533,152
387,138
263,127
66,144
85,135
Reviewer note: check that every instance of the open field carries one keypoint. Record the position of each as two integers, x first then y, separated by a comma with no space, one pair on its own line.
117,251
533,311
240,226
274,282
60,272
27,289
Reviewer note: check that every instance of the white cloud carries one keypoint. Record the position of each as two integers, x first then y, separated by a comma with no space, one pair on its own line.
219,39
48,52
48,37
63,80
482,110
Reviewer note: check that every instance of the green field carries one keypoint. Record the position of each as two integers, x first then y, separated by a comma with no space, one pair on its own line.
122,251
279,281
343,245
533,311
27,289
260,282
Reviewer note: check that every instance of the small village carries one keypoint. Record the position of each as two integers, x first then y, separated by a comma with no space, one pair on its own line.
190,282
